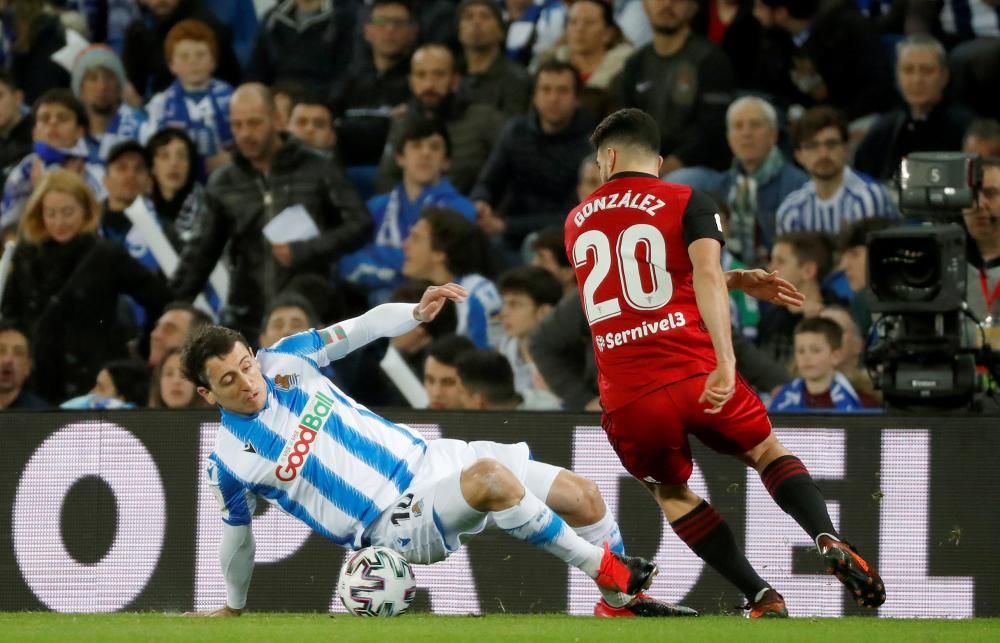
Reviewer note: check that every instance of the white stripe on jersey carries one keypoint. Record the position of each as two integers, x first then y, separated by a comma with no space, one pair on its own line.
338,478
858,198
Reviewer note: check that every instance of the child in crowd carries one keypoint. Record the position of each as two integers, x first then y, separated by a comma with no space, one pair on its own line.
196,102
820,385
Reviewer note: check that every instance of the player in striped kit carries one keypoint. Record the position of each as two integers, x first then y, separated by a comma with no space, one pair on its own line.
289,435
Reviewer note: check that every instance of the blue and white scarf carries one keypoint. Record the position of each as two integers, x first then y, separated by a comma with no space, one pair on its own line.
791,397
209,138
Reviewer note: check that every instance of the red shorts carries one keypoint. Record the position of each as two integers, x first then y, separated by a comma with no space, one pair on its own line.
650,434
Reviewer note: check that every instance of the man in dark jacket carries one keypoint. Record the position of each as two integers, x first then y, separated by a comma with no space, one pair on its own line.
303,41
376,83
927,122
143,55
472,128
270,174
685,82
530,179
15,125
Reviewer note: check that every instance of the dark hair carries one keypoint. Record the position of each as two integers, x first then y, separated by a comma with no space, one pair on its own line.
811,246
815,120
487,372
631,127
553,239
857,233
131,379
798,9
199,317
407,4
447,319
155,391
985,128
559,67
534,281
466,248
418,127
161,139
447,349
310,97
827,327
66,98
8,326
7,78
291,300
204,344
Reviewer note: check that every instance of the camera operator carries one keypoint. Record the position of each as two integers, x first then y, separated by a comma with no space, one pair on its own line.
983,225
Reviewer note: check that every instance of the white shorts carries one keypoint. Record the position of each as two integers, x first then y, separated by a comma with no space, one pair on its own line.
432,519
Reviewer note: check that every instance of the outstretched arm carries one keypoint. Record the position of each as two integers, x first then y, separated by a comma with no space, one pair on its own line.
765,286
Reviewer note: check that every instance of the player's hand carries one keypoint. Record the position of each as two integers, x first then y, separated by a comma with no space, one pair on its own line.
222,612
434,298
282,253
719,388
768,286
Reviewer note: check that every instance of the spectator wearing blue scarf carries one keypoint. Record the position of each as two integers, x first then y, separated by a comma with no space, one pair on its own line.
820,386
423,158
195,102
99,81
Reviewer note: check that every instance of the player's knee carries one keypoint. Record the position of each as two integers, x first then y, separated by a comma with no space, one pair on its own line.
592,506
488,484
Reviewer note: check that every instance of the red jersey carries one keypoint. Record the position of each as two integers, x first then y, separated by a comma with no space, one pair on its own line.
629,243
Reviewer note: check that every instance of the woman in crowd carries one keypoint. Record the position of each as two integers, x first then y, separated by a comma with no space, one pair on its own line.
593,44
65,285
178,199
170,389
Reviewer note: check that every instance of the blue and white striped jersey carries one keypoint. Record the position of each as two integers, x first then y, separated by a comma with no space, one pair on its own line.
312,450
859,197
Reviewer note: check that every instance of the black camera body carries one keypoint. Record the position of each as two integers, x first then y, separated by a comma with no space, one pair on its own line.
925,355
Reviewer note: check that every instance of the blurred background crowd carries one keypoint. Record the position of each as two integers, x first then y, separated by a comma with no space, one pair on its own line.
276,166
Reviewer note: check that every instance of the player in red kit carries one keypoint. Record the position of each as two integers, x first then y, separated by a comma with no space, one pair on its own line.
647,258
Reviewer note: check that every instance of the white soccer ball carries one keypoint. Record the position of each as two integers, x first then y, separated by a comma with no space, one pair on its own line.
376,581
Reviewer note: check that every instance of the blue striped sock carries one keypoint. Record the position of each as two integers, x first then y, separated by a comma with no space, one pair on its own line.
533,522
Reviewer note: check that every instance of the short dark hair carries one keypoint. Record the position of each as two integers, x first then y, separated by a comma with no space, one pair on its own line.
553,239
7,78
131,379
799,9
446,321
291,300
857,233
204,344
407,4
487,372
815,120
827,327
466,248
164,137
447,349
66,98
537,283
198,316
559,67
310,97
10,326
419,127
985,128
630,126
811,246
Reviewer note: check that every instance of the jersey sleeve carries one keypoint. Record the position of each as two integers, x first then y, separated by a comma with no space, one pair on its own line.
235,500
701,219
309,345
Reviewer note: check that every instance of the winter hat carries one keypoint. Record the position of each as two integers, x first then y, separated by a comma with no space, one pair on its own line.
96,56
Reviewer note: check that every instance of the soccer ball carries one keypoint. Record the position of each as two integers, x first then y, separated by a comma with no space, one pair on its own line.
376,581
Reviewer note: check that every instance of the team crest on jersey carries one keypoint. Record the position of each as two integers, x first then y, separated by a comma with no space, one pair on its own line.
286,382
418,508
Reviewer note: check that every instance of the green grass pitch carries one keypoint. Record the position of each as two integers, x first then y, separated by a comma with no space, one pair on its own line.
413,628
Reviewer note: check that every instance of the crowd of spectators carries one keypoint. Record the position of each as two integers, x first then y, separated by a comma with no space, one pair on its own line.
276,165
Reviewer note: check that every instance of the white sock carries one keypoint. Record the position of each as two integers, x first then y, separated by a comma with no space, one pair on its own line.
533,522
603,531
